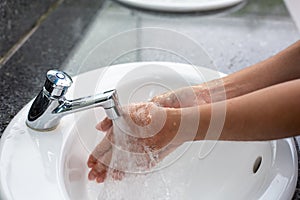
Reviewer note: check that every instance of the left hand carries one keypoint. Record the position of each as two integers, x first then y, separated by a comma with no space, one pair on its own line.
152,132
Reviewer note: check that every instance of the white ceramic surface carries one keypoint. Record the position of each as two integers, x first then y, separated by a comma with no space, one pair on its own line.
181,5
52,165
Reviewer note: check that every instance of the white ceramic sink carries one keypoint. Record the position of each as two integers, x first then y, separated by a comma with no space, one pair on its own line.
181,6
52,165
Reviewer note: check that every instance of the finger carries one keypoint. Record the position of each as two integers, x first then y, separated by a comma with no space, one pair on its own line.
118,175
102,167
109,137
101,177
103,147
104,125
99,169
159,101
92,161
93,174
103,162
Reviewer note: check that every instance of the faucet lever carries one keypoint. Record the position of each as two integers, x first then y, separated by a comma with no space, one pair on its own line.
51,105
57,83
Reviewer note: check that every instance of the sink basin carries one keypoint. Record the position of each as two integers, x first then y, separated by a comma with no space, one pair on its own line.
52,165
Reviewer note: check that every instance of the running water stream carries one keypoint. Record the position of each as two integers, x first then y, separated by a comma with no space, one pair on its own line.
135,163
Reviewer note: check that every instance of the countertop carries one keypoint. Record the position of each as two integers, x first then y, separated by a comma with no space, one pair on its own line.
234,38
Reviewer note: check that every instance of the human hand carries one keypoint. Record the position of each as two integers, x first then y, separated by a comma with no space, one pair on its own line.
144,135
184,97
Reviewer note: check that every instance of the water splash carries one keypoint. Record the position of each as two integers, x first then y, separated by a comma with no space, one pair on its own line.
139,181
135,187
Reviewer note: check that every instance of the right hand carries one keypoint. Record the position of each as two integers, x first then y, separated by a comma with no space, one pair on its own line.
152,135
184,97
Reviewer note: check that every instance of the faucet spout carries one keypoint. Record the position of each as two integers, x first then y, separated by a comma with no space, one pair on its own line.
51,105
107,100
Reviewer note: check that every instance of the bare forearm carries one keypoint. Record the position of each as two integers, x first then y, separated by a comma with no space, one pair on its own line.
282,67
267,114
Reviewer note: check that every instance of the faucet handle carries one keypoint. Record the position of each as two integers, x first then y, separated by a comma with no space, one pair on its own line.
57,83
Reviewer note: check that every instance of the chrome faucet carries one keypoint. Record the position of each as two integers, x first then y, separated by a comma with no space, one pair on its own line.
51,105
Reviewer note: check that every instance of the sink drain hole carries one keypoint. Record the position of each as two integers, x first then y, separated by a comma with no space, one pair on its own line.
257,164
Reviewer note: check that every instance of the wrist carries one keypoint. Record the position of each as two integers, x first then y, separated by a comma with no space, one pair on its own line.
173,125
235,87
182,124
231,88
214,91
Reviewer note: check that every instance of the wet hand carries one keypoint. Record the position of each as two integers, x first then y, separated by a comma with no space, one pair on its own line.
184,97
145,134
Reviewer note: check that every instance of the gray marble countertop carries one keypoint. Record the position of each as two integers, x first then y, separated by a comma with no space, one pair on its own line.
234,38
